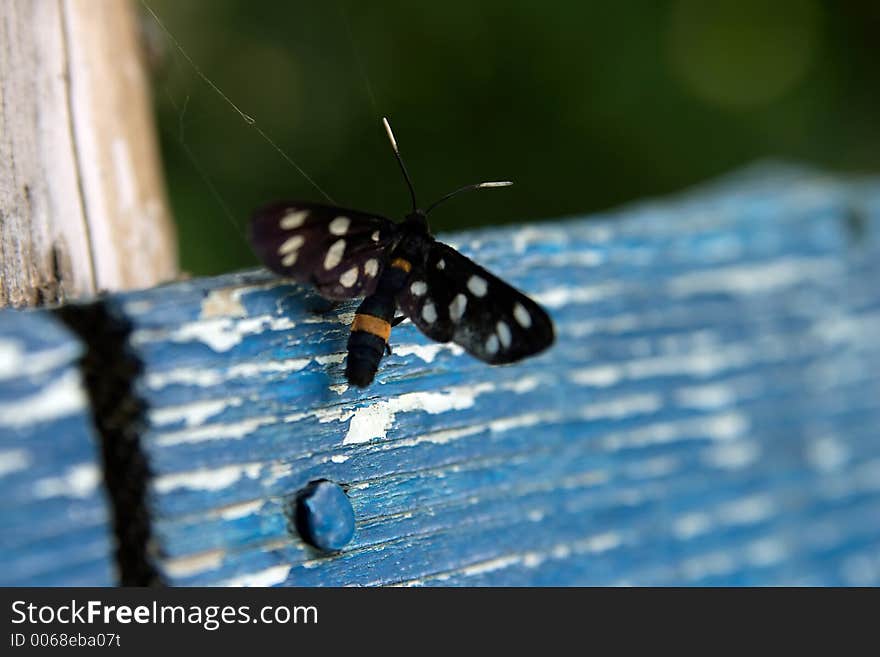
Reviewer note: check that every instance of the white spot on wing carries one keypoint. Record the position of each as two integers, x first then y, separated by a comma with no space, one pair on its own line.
492,344
334,254
371,267
375,236
293,219
418,288
477,285
503,332
429,312
291,244
290,259
522,315
339,226
456,308
349,278
441,264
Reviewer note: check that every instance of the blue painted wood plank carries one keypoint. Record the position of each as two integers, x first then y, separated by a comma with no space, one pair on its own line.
708,415
55,527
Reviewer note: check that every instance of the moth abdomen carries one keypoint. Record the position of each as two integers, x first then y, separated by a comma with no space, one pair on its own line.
368,339
364,353
372,325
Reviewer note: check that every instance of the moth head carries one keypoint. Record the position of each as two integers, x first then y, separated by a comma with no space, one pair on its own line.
418,220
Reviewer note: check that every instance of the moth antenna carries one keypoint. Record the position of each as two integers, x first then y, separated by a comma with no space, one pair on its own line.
412,192
467,188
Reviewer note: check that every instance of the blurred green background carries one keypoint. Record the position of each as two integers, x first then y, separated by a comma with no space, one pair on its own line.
584,105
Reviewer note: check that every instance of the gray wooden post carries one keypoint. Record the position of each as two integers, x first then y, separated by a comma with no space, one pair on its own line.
82,201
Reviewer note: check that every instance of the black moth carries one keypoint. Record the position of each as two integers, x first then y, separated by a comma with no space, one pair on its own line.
346,254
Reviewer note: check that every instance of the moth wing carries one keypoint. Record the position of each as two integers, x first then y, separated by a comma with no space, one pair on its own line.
451,298
340,252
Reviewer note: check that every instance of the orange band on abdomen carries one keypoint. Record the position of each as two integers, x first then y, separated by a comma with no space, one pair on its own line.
373,325
400,263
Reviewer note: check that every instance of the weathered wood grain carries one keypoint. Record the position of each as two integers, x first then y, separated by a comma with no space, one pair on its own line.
709,414
54,519
82,200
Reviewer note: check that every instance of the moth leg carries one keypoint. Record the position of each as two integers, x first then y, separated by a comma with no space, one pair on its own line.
394,322
322,306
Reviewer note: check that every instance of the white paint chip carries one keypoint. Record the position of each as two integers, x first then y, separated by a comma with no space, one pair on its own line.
339,226
706,397
268,577
334,254
239,510
225,302
733,456
600,376
13,460
193,565
827,453
563,296
206,479
374,421
78,481
293,219
219,333
427,352
755,278
691,524
199,433
17,361
477,285
205,378
192,413
59,398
